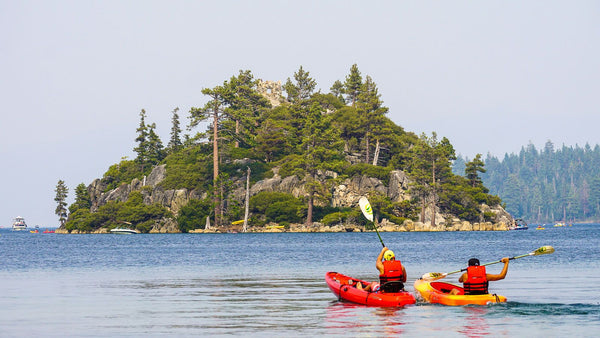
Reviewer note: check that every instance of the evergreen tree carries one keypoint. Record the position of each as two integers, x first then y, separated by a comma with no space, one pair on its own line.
337,89
472,170
212,109
175,141
547,185
372,112
353,85
142,140
303,89
320,151
155,146
82,199
61,199
242,108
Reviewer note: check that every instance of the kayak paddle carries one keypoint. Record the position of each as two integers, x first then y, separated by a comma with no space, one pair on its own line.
544,250
366,209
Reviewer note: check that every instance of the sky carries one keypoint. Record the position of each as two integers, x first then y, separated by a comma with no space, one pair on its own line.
491,76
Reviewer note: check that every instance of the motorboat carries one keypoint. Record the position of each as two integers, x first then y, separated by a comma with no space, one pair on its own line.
123,231
19,224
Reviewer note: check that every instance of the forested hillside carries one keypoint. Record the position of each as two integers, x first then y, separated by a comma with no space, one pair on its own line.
321,138
546,185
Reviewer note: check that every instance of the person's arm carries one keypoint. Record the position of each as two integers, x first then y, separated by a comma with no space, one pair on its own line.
378,263
404,274
502,274
462,278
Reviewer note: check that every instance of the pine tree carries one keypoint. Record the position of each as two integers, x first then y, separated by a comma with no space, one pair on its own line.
353,85
372,113
142,140
61,197
212,109
175,142
155,146
337,89
82,199
472,170
302,90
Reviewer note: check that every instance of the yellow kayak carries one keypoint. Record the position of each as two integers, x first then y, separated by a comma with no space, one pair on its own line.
439,293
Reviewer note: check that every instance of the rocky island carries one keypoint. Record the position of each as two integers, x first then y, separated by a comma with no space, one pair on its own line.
286,158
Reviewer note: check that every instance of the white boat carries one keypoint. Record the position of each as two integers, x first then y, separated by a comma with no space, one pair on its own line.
19,224
123,231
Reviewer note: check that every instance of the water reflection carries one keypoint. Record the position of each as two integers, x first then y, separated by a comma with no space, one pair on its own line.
475,323
347,317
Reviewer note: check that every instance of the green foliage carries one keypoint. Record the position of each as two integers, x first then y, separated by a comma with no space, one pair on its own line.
548,185
150,148
322,138
61,196
189,168
193,215
489,216
82,199
472,170
175,142
123,172
117,214
344,215
369,170
278,207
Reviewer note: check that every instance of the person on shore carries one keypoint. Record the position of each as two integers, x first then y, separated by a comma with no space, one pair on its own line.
476,279
392,273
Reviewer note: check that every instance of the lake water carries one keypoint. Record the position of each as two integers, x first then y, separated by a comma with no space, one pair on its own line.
54,285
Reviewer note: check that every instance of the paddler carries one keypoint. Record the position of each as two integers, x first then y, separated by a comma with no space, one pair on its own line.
390,270
476,279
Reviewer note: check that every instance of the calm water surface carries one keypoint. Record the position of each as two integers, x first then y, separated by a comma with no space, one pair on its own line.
260,285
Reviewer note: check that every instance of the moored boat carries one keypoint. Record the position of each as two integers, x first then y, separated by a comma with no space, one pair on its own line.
519,224
345,289
439,293
19,224
123,231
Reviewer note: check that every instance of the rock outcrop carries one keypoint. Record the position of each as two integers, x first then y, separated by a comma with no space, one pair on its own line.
345,194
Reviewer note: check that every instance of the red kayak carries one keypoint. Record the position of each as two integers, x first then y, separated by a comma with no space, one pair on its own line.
344,288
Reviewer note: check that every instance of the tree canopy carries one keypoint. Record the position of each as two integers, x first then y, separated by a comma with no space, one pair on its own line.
321,138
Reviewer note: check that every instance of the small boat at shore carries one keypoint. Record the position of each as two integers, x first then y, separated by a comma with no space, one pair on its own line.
123,231
345,289
439,293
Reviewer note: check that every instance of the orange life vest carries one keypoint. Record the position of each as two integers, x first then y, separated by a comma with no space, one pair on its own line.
392,271
476,283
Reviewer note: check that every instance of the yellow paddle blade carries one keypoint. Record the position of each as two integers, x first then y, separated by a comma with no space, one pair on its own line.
544,250
430,276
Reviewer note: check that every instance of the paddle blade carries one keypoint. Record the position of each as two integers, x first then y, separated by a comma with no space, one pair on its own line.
431,276
365,207
544,250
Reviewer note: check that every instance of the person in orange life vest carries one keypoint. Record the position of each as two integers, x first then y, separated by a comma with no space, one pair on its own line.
389,270
475,280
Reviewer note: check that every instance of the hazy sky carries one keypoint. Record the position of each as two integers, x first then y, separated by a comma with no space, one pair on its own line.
491,76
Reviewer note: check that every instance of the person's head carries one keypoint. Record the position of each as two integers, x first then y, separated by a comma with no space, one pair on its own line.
388,255
473,262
